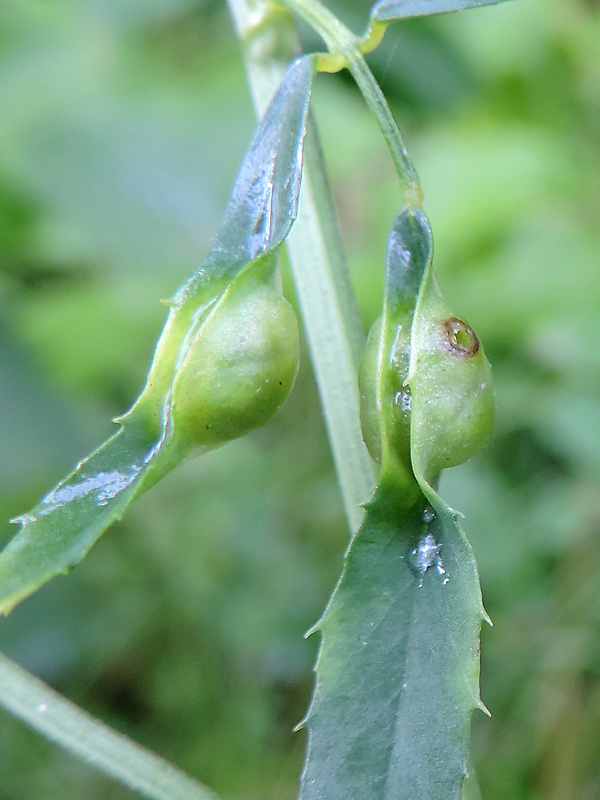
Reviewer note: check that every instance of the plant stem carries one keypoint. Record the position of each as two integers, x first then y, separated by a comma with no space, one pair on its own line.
327,301
63,722
341,41
365,80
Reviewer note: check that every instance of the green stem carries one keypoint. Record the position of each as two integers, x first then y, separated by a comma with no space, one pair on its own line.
325,294
341,41
413,194
62,722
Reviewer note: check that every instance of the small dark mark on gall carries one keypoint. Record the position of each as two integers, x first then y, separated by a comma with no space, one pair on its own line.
459,338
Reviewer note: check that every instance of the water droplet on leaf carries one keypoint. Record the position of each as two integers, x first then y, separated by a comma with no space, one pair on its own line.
428,515
426,554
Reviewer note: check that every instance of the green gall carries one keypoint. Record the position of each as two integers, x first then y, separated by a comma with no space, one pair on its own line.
240,361
427,401
450,378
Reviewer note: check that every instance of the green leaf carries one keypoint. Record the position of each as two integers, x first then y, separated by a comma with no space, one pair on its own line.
264,200
58,532
390,10
385,398
397,673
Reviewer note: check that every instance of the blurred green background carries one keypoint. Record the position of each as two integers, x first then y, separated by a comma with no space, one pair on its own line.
122,126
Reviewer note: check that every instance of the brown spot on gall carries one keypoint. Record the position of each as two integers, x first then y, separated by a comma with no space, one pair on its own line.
459,338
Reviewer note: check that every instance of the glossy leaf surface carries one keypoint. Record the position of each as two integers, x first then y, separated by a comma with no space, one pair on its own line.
384,370
390,10
59,531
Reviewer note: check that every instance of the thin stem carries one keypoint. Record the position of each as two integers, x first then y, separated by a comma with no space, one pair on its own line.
373,37
341,41
329,310
376,101
334,33
60,721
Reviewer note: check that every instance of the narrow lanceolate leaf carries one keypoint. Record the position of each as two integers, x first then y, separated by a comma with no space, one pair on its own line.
397,674
59,531
398,669
390,10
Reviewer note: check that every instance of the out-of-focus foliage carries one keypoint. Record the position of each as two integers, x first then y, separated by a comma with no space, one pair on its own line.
122,127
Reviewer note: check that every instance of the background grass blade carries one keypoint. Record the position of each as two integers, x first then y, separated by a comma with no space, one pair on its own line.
119,757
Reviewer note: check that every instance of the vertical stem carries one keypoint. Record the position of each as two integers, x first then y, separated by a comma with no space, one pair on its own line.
327,301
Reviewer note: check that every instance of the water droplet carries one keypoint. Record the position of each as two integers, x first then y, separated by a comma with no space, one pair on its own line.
426,554
428,515
24,519
114,483
106,484
402,399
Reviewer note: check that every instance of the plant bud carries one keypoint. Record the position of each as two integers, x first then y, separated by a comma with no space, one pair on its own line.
240,362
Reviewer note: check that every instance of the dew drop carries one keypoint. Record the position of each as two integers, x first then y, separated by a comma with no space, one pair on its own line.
24,519
403,400
426,554
428,515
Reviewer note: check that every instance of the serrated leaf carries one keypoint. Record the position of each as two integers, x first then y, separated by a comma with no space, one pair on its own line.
58,532
397,673
390,10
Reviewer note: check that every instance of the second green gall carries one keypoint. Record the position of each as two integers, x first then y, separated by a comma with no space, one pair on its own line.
239,363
